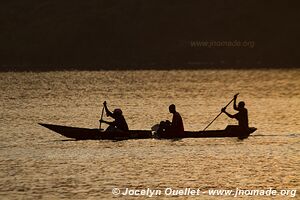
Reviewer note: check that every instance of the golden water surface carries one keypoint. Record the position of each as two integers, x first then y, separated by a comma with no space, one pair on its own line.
36,163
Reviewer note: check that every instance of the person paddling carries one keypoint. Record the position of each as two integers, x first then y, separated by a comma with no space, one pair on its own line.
241,116
119,124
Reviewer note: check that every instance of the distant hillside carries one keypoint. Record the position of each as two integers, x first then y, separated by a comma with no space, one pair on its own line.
95,34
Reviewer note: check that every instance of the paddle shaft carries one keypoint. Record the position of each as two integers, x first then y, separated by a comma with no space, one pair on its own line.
218,114
101,118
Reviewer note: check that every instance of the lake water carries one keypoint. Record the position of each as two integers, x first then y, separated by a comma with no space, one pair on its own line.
36,163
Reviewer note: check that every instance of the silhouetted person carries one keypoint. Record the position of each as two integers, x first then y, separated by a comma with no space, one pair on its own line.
172,129
241,116
177,123
119,124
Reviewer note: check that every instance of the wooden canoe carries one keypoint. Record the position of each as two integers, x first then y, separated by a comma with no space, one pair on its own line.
95,134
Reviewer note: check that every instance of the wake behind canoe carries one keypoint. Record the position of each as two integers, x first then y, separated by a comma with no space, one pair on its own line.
96,134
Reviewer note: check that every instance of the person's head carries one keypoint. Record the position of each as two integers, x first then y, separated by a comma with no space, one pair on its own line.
241,105
117,112
172,108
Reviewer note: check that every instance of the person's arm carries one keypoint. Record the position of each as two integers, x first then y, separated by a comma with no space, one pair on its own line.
173,123
106,122
234,102
229,115
176,121
108,113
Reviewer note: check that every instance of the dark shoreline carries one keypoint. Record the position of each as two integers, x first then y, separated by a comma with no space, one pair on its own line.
158,68
140,34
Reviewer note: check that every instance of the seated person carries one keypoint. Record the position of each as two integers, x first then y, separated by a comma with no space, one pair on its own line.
172,129
119,124
241,116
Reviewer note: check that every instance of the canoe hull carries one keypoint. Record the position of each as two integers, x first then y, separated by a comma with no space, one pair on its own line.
230,131
96,134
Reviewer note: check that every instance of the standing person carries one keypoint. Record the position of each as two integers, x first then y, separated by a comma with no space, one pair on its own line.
241,116
119,124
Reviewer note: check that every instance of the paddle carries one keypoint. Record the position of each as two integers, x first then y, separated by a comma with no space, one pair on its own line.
219,113
101,118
